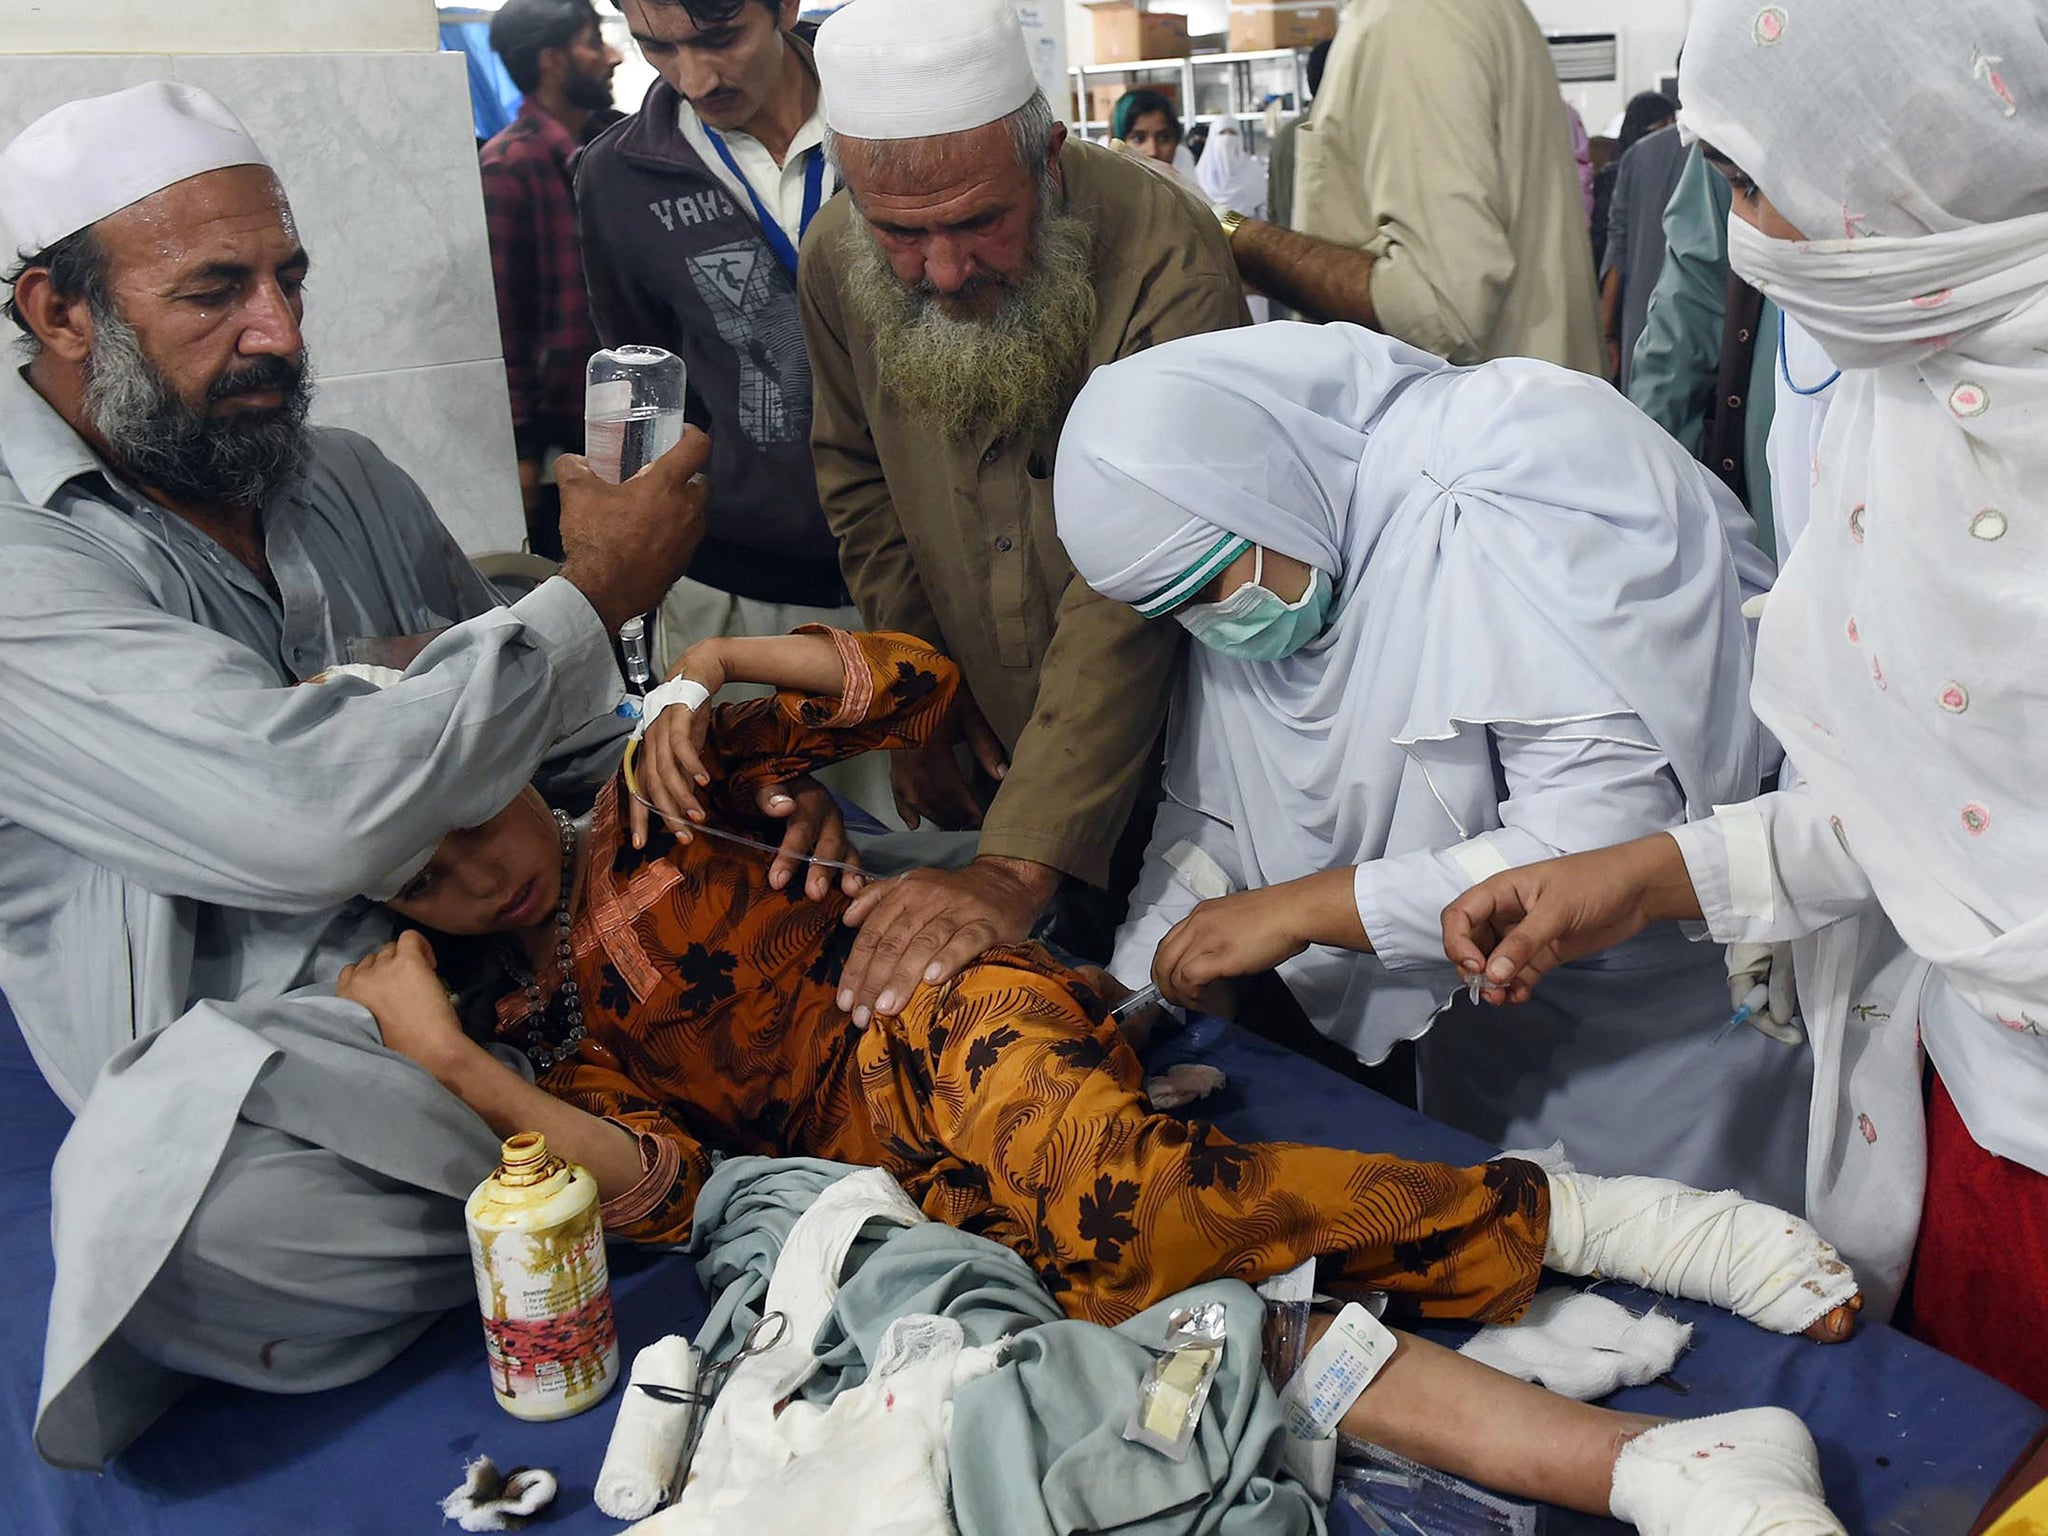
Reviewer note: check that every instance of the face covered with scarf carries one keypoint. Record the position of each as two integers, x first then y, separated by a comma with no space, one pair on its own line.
1898,659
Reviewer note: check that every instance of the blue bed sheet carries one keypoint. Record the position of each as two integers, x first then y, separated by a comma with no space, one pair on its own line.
1910,1442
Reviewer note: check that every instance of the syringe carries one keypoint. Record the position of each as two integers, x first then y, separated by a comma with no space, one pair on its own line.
1145,997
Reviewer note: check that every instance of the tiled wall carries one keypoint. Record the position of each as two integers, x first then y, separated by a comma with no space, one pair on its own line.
215,26
377,154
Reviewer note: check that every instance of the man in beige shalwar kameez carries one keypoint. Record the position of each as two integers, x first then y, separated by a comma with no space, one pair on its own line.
954,302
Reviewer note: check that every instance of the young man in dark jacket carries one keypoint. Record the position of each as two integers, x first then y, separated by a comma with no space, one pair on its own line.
691,212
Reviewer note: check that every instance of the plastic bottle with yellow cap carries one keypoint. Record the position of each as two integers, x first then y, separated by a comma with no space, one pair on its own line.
541,1280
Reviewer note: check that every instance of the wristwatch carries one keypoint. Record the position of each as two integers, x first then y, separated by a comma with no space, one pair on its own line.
1232,221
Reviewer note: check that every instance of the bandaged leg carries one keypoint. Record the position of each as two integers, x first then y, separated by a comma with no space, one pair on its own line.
1752,1473
1739,1474
1755,1260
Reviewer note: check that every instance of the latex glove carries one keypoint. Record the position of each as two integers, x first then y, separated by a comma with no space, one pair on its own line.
1769,966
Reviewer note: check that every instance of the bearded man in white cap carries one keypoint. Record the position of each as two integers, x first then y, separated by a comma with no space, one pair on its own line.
954,301
254,1189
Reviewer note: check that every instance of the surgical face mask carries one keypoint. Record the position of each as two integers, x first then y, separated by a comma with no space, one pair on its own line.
1254,624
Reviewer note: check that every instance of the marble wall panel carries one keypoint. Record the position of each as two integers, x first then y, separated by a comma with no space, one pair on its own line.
216,26
449,427
378,156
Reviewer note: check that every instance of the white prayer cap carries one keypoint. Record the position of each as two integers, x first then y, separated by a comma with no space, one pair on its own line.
78,163
913,69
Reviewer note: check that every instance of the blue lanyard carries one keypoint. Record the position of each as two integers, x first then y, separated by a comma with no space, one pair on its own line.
1785,368
771,228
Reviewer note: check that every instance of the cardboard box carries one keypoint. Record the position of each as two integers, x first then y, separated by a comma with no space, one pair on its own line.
1102,99
1259,25
1124,34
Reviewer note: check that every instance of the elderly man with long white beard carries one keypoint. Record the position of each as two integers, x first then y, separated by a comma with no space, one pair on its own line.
954,302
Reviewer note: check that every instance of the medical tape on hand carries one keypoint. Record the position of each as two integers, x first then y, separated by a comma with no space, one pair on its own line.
684,691
1340,1365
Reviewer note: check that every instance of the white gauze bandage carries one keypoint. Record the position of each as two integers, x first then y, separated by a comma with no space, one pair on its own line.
1756,1260
1752,1473
1581,1345
646,1449
684,691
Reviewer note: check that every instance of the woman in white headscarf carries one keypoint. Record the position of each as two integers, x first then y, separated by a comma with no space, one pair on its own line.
1450,620
1231,175
1891,173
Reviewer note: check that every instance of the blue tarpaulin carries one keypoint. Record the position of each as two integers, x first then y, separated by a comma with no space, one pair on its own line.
493,98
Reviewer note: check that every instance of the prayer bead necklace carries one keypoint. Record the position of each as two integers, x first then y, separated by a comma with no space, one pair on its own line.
540,1050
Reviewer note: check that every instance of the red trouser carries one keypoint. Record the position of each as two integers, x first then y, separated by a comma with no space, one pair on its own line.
1980,1272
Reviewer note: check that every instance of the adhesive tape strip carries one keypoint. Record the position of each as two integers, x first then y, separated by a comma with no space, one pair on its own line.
684,691
1479,859
1199,871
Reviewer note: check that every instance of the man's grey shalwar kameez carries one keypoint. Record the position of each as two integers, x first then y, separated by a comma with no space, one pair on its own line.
255,1189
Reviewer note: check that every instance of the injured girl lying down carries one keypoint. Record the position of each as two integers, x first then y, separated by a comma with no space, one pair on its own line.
674,1003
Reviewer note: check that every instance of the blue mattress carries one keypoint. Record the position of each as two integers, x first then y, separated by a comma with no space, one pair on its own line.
1910,1441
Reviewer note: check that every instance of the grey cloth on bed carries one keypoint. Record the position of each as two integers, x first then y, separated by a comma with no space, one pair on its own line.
1038,1447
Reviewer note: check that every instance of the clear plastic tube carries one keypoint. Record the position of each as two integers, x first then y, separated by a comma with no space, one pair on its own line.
639,663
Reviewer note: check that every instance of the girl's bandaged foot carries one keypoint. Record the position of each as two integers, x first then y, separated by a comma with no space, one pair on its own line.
1752,1473
1755,1260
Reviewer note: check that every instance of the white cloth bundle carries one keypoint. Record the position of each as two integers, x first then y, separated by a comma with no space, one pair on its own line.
1581,1345
1752,1473
876,1459
1756,1260
646,1449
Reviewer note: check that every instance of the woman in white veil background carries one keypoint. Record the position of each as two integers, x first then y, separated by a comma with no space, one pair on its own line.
1890,166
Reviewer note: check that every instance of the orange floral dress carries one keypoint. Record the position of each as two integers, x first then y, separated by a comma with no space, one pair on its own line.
1005,1101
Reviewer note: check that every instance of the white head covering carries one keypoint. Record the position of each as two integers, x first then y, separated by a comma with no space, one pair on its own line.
914,69
1483,526
1898,104
1901,656
78,163
1230,174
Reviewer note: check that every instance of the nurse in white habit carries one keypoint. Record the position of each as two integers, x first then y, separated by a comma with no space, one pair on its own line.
1449,621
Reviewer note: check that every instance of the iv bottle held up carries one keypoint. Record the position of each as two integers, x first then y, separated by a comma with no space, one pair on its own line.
632,415
632,409
538,1248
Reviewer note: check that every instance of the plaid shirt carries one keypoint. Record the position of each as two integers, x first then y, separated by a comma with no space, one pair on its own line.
543,305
